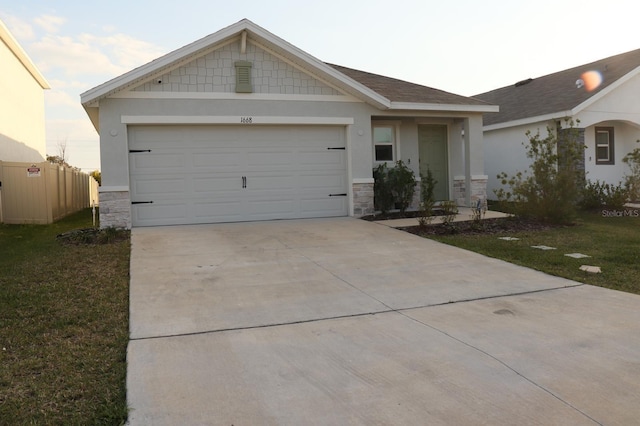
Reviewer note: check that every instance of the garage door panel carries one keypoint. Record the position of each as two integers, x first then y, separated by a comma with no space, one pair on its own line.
324,158
157,186
221,159
159,213
312,207
145,162
329,182
195,174
216,185
219,211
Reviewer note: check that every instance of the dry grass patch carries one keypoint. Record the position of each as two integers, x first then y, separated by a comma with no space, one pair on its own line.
63,325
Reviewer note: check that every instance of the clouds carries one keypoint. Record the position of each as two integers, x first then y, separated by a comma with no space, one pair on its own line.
73,61
49,23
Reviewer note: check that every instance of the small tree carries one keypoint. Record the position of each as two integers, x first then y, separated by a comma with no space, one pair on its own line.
97,176
403,185
427,202
632,181
382,194
551,190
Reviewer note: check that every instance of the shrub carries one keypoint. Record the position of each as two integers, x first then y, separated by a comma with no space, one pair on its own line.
449,212
403,185
549,192
392,187
600,194
427,186
382,194
632,181
478,212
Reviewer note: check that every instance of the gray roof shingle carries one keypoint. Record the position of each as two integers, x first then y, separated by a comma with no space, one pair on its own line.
402,91
555,92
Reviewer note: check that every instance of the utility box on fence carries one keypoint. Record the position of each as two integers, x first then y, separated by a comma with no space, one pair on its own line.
42,193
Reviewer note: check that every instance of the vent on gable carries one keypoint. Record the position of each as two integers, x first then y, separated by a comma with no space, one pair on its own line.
243,77
524,82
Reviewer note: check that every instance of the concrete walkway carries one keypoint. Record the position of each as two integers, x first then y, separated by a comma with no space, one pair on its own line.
342,321
464,214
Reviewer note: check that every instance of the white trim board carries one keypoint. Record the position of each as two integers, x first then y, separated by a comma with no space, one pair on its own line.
234,96
240,120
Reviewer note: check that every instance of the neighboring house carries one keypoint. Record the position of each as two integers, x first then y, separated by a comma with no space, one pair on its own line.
603,100
241,125
22,126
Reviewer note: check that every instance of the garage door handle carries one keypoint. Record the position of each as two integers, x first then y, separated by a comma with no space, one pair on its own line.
139,150
142,202
340,148
244,181
337,195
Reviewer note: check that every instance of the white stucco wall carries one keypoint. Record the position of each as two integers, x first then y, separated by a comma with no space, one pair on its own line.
625,137
618,108
22,126
505,151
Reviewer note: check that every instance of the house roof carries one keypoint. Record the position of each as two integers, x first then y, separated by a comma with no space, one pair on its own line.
403,91
21,55
381,92
558,95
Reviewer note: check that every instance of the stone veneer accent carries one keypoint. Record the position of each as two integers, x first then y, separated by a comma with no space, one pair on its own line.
215,72
478,190
115,210
363,199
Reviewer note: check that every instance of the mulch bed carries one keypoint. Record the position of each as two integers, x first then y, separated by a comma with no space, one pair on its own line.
93,236
485,226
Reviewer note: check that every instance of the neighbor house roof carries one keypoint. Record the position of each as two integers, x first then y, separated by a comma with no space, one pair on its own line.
558,95
21,55
381,92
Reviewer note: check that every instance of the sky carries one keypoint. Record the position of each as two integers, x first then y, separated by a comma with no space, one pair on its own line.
464,46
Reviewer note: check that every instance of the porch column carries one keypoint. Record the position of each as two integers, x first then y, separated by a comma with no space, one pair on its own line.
473,154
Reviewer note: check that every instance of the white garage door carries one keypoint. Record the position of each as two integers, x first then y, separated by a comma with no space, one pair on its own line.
208,174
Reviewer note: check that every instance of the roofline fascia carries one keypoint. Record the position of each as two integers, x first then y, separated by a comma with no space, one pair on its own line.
443,107
22,56
529,120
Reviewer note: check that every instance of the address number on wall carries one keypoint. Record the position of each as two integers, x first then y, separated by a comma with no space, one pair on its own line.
246,120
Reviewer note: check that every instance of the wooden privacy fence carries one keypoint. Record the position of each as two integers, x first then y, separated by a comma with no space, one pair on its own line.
43,193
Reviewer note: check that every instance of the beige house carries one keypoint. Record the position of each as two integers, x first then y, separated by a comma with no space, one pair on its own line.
241,126
22,124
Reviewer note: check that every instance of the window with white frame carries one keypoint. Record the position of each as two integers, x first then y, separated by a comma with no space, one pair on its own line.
604,145
384,142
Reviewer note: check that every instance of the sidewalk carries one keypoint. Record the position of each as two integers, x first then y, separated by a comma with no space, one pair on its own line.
464,214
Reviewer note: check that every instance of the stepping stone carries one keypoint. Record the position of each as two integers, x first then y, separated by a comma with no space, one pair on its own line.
508,238
543,247
577,255
592,269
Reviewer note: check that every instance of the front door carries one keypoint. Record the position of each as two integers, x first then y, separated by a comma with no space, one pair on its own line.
432,145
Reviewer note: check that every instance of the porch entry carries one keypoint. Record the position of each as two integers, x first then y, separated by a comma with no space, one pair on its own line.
432,146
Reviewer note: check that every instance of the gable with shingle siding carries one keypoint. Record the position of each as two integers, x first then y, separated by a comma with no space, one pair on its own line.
215,73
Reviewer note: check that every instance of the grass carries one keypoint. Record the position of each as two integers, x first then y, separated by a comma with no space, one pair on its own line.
63,326
612,242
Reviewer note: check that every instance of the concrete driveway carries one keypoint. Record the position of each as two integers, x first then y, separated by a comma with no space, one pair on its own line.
342,321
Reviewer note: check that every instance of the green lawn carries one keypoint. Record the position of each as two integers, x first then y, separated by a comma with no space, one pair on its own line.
63,326
612,242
